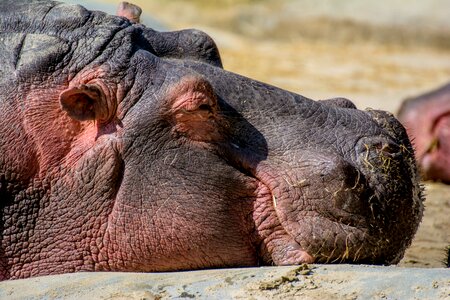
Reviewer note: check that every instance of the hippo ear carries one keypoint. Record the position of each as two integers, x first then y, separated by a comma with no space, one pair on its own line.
84,102
194,110
130,11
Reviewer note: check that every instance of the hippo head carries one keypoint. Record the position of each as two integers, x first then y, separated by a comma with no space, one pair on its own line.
427,121
128,149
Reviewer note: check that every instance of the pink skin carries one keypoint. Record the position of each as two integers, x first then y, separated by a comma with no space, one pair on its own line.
81,112
427,121
130,11
435,161
268,214
107,238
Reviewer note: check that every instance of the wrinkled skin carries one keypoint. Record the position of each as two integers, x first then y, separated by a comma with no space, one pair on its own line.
427,121
127,149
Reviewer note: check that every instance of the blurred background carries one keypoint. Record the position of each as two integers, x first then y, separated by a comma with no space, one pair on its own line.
375,53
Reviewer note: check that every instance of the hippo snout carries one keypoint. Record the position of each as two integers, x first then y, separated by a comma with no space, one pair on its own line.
344,204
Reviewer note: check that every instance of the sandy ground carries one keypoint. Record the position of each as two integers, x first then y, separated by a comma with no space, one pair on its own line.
349,282
374,54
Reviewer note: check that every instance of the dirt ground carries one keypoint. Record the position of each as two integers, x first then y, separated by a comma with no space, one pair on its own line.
375,53
309,282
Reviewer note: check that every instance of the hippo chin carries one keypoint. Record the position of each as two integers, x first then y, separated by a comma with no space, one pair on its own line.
427,121
127,149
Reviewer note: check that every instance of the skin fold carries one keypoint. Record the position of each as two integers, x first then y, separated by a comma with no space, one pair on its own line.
127,149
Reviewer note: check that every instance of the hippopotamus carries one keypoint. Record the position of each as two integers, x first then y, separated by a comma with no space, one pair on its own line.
427,121
128,149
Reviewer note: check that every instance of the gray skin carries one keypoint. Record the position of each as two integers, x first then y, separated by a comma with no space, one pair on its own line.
127,149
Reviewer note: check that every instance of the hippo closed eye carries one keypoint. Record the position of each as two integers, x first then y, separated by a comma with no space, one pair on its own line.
127,149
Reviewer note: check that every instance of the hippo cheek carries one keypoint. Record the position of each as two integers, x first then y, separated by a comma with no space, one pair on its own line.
305,227
193,217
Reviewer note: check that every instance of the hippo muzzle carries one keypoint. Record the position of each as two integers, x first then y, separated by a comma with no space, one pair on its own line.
340,204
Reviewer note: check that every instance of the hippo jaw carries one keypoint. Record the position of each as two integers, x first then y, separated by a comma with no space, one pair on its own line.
330,211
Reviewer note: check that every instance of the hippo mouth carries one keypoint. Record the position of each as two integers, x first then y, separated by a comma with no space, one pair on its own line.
328,208
272,227
305,220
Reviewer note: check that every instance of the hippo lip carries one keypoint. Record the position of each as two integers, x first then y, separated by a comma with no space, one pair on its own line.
332,233
272,200
307,248
268,217
307,229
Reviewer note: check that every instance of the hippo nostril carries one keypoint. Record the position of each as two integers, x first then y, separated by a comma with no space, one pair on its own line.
378,146
377,153
383,163
388,149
